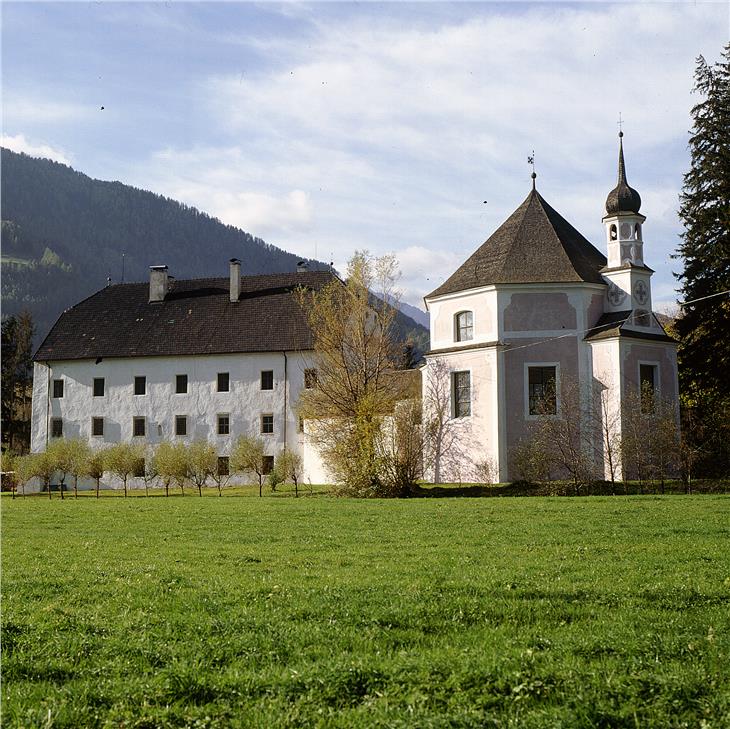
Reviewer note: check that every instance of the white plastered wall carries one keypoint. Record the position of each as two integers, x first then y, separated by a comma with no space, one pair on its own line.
481,302
245,402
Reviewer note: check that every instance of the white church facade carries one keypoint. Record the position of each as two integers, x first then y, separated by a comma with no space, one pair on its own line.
537,308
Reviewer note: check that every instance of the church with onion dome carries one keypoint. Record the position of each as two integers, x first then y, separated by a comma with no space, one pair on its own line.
538,312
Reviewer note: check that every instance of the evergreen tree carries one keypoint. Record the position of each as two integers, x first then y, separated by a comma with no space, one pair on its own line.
17,379
704,327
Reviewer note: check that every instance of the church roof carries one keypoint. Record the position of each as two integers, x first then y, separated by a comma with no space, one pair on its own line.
534,245
196,317
622,199
614,324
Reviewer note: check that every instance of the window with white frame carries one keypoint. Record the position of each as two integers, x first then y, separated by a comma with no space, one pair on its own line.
267,424
140,385
541,390
464,326
139,427
267,379
224,424
58,388
224,382
461,393
56,428
99,387
97,427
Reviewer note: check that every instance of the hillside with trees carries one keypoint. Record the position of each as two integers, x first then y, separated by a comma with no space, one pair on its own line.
64,233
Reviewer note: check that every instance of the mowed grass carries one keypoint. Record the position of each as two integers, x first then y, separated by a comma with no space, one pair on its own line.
247,612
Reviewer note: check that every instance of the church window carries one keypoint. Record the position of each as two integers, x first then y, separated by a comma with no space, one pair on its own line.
648,386
612,231
464,326
637,232
541,390
461,394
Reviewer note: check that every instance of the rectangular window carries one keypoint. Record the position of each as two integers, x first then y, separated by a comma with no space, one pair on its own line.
464,326
223,467
181,384
139,468
139,427
56,428
541,390
224,424
224,382
461,392
58,388
140,385
268,464
267,424
97,427
267,379
648,385
181,425
310,379
98,387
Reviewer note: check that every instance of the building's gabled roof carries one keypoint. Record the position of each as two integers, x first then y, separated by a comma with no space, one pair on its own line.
195,318
614,324
534,245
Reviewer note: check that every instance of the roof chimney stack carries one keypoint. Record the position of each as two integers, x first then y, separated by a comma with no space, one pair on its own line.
158,283
302,267
235,287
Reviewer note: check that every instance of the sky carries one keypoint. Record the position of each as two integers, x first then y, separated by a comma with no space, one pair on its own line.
326,128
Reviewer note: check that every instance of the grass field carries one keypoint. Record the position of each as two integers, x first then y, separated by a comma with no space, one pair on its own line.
532,612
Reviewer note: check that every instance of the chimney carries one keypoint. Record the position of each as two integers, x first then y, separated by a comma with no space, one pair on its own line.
158,283
235,287
302,267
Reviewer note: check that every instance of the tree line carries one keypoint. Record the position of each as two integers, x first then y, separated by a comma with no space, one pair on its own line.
165,465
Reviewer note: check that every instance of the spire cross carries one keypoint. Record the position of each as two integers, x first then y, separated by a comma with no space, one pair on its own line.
620,125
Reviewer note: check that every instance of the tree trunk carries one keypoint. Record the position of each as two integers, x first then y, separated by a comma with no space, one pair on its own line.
125,487
200,491
76,487
261,485
97,487
62,482
48,485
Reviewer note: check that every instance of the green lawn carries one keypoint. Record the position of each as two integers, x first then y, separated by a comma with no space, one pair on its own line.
451,612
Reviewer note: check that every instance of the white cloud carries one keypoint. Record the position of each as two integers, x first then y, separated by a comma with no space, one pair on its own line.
18,143
368,132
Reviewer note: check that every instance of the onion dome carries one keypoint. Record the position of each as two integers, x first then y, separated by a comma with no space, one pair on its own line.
622,199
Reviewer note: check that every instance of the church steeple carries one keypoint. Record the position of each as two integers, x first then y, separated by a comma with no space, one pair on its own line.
623,220
623,198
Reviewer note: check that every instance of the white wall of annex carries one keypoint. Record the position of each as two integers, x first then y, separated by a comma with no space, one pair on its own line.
483,305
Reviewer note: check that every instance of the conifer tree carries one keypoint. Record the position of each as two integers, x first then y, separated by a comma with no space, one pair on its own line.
704,327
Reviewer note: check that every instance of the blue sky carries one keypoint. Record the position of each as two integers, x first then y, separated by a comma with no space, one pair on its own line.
325,128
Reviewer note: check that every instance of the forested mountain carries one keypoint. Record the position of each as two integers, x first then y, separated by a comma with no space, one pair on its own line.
63,235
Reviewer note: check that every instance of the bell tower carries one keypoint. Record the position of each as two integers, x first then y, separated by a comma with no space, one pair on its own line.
628,277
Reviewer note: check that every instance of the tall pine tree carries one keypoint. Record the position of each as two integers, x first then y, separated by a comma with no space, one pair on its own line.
704,326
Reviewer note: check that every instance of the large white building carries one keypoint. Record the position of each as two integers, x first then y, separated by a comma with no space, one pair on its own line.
537,307
180,360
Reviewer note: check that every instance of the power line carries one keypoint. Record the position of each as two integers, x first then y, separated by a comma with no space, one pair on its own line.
702,298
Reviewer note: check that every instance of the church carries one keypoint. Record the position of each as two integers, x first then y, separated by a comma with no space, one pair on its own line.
537,309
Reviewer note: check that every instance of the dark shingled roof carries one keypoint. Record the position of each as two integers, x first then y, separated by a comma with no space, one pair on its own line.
196,317
534,245
613,325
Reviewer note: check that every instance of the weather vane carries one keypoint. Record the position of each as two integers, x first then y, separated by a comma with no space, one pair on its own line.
531,161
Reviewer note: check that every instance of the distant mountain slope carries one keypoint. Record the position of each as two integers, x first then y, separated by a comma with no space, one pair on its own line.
63,234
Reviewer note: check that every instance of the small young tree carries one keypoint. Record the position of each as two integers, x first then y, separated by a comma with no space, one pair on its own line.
95,466
149,469
400,449
171,463
288,465
60,454
78,455
202,463
248,456
8,468
446,440
221,473
606,418
123,459
36,465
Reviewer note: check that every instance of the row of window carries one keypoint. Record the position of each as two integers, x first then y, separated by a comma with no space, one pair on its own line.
139,425
541,390
223,383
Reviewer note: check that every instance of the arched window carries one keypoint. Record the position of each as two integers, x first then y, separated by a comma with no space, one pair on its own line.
613,233
637,232
464,326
